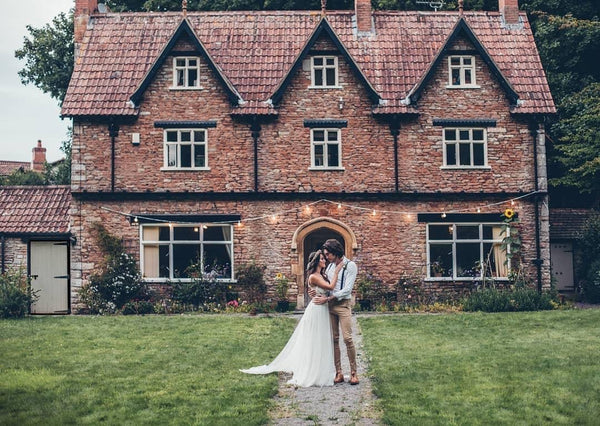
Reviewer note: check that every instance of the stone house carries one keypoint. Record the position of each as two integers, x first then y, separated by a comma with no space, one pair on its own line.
237,137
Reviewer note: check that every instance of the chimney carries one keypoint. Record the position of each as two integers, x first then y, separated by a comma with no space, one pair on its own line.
39,158
509,9
83,10
362,10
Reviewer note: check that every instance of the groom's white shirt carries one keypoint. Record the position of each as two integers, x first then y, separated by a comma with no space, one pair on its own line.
349,271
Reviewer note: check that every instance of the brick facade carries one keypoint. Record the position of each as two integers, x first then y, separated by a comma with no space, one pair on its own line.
377,220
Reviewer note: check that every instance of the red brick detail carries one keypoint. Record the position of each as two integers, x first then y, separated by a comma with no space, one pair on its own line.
363,15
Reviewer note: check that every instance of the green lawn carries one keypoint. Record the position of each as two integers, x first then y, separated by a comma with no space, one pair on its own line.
137,370
510,369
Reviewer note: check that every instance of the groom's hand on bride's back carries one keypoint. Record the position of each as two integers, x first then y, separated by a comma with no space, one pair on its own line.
320,299
312,292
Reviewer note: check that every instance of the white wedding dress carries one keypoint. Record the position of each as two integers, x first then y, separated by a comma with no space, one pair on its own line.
308,355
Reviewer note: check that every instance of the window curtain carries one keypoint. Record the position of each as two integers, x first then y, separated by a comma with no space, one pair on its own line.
227,237
500,259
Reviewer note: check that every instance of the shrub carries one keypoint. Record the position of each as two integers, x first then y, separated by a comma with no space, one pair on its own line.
251,280
497,300
118,279
138,307
203,290
15,294
589,264
591,285
371,289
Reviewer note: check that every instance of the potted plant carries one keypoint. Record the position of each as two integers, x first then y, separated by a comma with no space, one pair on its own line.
281,288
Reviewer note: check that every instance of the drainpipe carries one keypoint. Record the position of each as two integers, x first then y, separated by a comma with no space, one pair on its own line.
538,144
255,128
113,131
3,253
395,131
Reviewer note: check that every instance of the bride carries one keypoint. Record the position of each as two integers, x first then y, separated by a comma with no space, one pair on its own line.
308,355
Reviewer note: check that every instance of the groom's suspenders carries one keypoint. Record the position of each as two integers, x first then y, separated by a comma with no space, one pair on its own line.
343,270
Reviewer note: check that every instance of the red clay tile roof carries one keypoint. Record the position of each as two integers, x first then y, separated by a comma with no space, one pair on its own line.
255,50
34,209
8,167
566,223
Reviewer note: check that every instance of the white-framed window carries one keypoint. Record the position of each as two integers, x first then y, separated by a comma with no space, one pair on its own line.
185,149
186,72
168,251
465,251
461,71
326,148
324,71
465,147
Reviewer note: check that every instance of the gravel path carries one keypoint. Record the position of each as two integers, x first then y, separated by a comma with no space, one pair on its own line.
341,404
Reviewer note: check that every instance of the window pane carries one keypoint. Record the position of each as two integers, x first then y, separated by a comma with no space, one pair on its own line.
192,62
171,136
451,154
332,136
467,259
455,60
199,136
184,256
464,135
164,233
466,61
217,258
172,155
216,233
477,134
180,78
465,154
186,136
330,61
468,79
186,233
163,261
199,156
332,155
186,156
495,261
151,261
318,155
150,233
330,73
493,232
318,135
450,134
192,77
318,61
318,77
456,76
478,157
180,62
468,232
440,232
440,256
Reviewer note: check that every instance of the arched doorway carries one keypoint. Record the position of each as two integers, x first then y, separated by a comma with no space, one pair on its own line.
309,237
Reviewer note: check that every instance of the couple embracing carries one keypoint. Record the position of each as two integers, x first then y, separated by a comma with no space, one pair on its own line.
312,354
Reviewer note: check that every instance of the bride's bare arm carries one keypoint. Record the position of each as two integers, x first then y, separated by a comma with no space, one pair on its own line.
319,281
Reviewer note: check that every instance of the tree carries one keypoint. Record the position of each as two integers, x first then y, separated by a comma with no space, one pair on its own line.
49,56
578,140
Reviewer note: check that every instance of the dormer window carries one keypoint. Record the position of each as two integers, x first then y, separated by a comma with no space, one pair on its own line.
186,71
324,71
461,71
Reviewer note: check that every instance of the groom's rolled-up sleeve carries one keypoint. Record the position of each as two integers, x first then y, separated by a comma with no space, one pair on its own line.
349,278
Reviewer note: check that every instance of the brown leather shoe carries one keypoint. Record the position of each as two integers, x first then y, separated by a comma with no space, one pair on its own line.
339,378
354,379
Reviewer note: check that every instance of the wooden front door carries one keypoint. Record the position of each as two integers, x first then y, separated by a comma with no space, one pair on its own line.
49,270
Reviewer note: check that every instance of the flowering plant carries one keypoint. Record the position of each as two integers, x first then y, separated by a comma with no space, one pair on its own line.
509,213
281,286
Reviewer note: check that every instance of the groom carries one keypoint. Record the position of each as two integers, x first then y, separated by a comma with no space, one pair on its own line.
340,306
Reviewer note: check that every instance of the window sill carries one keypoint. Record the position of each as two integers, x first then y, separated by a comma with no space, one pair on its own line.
465,168
326,169
186,88
187,169
466,86
325,87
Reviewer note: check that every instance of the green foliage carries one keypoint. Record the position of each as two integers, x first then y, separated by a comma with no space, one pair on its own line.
588,245
138,307
61,174
48,55
23,177
117,281
505,300
15,294
202,292
578,139
282,284
251,280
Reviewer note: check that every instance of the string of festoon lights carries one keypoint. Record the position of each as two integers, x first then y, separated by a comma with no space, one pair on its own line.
135,218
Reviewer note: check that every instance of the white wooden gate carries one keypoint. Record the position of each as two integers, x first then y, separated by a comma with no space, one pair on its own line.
50,276
562,265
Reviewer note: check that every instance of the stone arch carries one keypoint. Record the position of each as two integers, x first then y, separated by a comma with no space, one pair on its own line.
297,247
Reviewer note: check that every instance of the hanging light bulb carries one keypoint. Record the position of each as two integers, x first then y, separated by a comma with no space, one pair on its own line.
443,215
339,206
512,202
374,212
478,209
135,219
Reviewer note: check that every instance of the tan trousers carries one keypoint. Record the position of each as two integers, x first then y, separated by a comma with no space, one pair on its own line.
340,313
